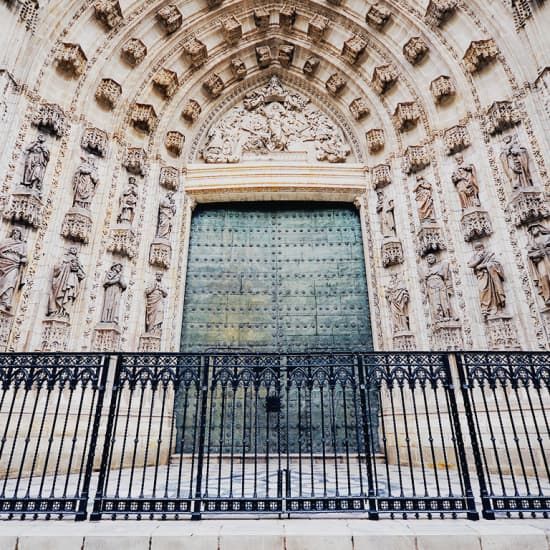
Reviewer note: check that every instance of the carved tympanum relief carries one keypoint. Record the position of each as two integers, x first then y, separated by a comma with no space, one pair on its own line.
274,120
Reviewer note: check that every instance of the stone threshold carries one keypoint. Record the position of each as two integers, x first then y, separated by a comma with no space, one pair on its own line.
264,534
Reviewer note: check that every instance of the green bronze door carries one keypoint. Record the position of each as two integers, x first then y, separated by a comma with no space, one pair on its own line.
276,277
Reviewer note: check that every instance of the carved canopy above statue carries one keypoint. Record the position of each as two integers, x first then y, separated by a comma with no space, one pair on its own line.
273,122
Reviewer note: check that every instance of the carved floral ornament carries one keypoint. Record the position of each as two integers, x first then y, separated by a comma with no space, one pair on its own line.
274,121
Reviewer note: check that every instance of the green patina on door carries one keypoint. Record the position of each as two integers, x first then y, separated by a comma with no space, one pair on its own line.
276,277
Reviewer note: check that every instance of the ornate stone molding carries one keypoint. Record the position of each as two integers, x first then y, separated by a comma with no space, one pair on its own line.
439,11
213,85
476,224
50,118
404,341
166,82
108,12
502,115
123,241
174,142
354,48
502,333
392,252
430,239
311,64
55,335
287,16
135,161
191,111
143,117
6,323
171,18
149,343
106,338
383,78
456,138
378,16
285,55
195,51
77,225
108,92
232,29
238,68
169,178
479,54
261,18
381,176
442,89
417,157
25,208
317,27
528,205
415,50
71,59
134,51
335,84
160,253
406,115
375,140
94,141
359,109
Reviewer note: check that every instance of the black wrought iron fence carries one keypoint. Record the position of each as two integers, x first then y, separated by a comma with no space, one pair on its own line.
192,435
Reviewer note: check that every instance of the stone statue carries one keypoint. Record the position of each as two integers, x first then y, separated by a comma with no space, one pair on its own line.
114,285
388,219
84,182
37,157
465,180
424,199
379,200
128,202
13,258
167,211
538,256
67,276
490,276
398,298
155,295
515,161
439,289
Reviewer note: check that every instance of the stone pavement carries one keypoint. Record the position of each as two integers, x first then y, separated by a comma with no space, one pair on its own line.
299,534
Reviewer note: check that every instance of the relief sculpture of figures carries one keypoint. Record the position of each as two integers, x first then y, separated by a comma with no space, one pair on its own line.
67,277
439,289
85,181
388,219
37,157
13,258
465,180
398,298
424,199
166,213
155,296
515,161
538,255
114,285
490,276
128,202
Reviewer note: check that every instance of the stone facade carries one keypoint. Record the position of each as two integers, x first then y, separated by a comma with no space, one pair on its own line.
365,101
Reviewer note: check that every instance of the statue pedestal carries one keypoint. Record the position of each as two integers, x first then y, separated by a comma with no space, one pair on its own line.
25,208
77,225
149,343
106,337
6,322
123,241
160,253
55,335
430,239
392,252
404,341
502,333
528,206
476,224
448,336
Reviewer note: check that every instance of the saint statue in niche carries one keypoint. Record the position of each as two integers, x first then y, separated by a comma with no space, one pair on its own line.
388,219
490,276
128,202
538,255
84,182
424,199
114,285
465,180
515,161
398,298
13,258
439,289
155,296
166,213
37,157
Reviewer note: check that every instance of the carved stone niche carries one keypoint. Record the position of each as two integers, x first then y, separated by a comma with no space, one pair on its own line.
149,343
71,59
108,93
170,18
123,241
286,55
261,18
479,54
442,89
359,108
528,206
169,178
392,252
415,50
263,56
238,68
287,16
335,84
311,65
135,161
77,225
134,51
501,116
378,16
24,208
213,85
160,253
232,29
354,48
6,323
404,341
476,224
417,157
439,11
108,12
143,117
502,333
195,51
430,239
317,27
55,335
174,142
456,138
191,111
50,118
406,115
375,140
106,338
166,82
94,141
381,176
383,78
